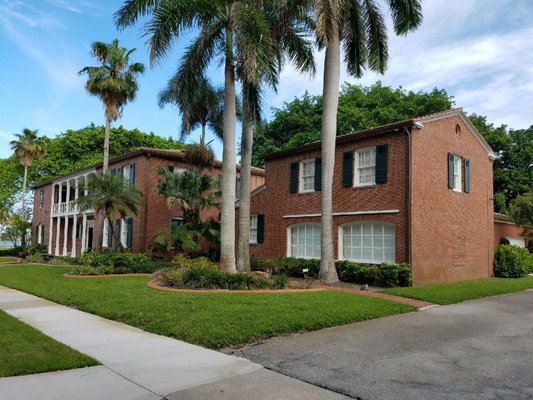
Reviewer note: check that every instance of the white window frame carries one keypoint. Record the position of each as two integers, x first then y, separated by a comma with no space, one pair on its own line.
123,232
357,169
290,244
373,224
457,173
253,229
301,177
105,234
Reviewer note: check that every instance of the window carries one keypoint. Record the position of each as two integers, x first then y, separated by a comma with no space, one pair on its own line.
365,167
455,173
128,172
307,176
457,169
41,237
175,222
41,203
368,242
253,229
304,241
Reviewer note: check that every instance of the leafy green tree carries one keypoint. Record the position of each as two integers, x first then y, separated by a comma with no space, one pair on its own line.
299,122
110,195
27,147
192,192
17,230
10,185
521,211
114,82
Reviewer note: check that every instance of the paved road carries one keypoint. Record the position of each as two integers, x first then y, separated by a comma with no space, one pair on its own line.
481,349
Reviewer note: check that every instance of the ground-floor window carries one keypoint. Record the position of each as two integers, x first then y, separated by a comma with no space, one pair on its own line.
304,241
367,242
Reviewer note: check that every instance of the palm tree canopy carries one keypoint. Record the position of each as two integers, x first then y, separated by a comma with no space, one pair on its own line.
115,80
112,194
28,146
188,189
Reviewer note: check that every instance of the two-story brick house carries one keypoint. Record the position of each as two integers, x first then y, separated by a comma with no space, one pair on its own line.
65,230
416,191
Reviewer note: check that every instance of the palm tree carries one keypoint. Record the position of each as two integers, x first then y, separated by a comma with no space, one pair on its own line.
27,148
110,195
226,27
359,26
201,107
114,82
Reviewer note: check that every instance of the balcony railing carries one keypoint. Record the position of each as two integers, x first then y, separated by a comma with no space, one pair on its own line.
66,208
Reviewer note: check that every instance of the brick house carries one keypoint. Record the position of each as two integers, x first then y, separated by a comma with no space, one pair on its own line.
65,230
417,191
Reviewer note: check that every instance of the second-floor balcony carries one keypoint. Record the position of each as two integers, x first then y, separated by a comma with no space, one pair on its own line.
66,208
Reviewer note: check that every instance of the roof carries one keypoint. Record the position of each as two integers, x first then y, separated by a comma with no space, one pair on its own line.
396,127
177,155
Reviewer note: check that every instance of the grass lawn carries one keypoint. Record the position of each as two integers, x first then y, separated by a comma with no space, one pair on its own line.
466,290
7,259
212,320
27,351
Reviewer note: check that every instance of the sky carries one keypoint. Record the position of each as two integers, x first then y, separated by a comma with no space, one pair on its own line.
479,51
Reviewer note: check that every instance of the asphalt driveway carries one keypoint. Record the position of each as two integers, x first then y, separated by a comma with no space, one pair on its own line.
481,349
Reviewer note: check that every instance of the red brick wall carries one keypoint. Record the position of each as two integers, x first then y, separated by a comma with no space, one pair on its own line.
503,229
276,201
452,233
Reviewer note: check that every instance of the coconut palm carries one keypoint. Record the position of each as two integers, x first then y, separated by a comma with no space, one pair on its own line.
358,26
114,82
224,27
110,195
27,147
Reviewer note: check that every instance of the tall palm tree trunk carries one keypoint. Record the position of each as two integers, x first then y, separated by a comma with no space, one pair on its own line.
100,216
227,208
23,211
243,246
202,138
328,273
107,133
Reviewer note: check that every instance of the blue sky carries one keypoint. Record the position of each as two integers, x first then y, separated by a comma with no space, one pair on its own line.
480,51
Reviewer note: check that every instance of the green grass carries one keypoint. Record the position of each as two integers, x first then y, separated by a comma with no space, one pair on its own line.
212,320
27,351
466,290
7,259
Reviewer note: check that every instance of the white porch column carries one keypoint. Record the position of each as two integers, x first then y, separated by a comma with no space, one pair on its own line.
74,228
83,233
65,236
57,236
50,230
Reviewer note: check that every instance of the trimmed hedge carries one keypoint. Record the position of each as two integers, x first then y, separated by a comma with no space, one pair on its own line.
24,251
348,271
512,261
123,263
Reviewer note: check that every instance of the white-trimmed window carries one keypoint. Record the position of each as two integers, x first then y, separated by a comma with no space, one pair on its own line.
457,173
253,229
176,221
304,240
123,233
365,167
307,176
367,242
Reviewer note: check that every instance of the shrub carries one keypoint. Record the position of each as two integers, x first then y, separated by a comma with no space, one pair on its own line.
512,261
24,251
185,262
36,259
287,266
64,260
280,281
81,270
123,263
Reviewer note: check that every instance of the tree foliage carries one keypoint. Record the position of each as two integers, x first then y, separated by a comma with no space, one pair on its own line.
299,121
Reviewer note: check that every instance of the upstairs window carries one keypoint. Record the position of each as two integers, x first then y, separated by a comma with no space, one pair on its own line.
365,167
41,202
307,176
253,229
456,166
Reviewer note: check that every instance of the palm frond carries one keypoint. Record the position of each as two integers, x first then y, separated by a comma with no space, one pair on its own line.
406,15
376,32
132,10
354,40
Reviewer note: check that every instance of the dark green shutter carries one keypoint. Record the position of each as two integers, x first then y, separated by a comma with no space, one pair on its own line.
109,235
467,176
318,173
381,163
117,231
260,228
450,171
347,169
42,233
129,232
132,174
294,178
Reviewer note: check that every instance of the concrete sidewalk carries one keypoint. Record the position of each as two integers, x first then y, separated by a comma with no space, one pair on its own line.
137,364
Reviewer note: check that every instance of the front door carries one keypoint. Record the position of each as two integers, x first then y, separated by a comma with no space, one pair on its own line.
90,238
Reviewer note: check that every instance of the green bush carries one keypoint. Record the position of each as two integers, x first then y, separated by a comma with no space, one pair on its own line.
287,266
24,251
185,262
512,261
123,263
84,270
63,260
11,252
208,277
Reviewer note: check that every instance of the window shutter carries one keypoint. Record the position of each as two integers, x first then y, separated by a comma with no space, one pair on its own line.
120,171
294,177
382,154
260,228
42,233
117,231
109,236
318,173
467,176
450,171
238,187
129,232
347,169
132,174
